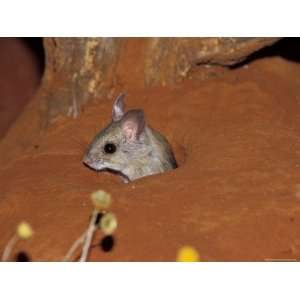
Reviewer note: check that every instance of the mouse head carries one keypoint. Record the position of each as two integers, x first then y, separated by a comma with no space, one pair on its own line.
122,145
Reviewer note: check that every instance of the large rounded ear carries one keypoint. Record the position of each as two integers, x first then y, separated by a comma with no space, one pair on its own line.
133,124
118,108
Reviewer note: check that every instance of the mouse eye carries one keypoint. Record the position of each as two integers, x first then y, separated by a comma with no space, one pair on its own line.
110,148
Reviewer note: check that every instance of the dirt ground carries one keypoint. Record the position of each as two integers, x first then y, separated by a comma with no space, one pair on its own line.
235,195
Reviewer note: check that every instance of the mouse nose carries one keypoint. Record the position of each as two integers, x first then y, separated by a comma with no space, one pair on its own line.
92,162
87,160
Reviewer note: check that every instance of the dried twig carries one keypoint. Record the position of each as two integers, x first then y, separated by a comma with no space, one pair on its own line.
74,247
89,236
9,246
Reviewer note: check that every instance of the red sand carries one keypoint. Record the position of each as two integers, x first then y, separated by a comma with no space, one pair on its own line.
235,196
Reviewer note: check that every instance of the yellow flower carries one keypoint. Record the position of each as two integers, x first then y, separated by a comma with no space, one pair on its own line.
108,223
187,254
101,199
24,231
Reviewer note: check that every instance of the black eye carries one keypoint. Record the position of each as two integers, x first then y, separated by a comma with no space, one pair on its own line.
110,148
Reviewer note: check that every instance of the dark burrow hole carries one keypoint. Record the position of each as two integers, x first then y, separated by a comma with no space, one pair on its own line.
180,153
22,64
287,48
107,243
22,257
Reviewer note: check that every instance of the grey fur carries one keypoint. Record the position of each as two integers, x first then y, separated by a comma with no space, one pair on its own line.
140,150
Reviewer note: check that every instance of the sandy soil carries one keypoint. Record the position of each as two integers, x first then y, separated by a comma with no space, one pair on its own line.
235,195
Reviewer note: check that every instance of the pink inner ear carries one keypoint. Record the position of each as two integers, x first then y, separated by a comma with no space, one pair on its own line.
130,130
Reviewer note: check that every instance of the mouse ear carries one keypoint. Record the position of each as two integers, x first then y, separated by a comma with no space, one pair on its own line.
118,108
133,124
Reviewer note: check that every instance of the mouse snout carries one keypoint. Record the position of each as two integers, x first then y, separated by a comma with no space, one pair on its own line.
87,160
91,162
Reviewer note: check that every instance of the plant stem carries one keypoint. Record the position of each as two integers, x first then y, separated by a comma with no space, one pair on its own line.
75,245
88,237
8,248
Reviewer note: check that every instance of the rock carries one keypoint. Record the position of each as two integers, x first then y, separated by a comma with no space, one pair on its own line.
79,70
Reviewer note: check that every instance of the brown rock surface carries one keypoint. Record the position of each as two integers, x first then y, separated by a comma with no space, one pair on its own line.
79,70
19,77
235,196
